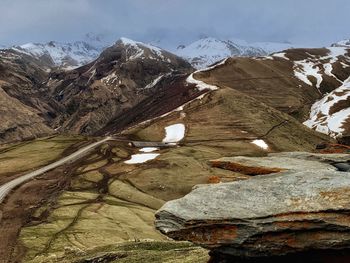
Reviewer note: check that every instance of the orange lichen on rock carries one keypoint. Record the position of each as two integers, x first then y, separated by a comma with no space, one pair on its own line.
244,169
208,234
335,148
214,179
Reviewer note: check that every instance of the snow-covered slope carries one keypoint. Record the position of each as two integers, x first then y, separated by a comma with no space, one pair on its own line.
271,47
63,55
207,51
342,43
140,50
327,115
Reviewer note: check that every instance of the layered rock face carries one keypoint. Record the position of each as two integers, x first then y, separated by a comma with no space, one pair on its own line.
303,208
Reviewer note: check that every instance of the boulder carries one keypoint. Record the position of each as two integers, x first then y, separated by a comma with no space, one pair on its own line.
304,207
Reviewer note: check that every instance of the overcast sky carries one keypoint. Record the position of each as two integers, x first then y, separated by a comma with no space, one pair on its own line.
309,22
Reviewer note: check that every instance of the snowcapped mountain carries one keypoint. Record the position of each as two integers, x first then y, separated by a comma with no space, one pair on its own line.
135,50
123,75
207,51
200,53
272,47
62,55
342,43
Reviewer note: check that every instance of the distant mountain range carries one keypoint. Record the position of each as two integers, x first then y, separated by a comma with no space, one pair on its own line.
207,51
200,53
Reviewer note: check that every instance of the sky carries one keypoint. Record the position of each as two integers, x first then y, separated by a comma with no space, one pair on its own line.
172,22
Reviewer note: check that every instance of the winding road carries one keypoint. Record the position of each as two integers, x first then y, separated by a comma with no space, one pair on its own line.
6,188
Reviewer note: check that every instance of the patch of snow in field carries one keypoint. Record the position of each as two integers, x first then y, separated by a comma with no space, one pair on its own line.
320,118
141,158
260,143
280,55
174,133
149,149
305,68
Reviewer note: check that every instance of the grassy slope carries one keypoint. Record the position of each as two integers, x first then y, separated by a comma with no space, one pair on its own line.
20,157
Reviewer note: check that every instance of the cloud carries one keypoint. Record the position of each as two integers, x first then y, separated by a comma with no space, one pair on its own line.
313,22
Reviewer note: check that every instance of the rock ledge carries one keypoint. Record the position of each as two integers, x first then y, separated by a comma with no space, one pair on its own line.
304,207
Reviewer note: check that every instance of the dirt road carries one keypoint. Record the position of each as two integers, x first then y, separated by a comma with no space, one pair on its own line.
5,189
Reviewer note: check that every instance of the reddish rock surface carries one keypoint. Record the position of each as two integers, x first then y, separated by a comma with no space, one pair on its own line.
301,209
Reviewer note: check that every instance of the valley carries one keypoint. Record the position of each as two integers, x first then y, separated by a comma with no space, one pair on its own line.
90,154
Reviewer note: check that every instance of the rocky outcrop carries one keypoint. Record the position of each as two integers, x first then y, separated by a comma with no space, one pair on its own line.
305,207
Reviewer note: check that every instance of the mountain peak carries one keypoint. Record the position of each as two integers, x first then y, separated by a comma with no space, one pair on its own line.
142,50
64,55
206,51
342,43
127,41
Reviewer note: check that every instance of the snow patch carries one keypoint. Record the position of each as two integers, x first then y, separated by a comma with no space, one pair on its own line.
309,66
200,84
154,82
149,149
174,133
281,55
260,143
141,158
305,68
320,118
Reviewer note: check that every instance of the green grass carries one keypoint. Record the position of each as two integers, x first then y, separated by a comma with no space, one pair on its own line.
29,155
132,252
